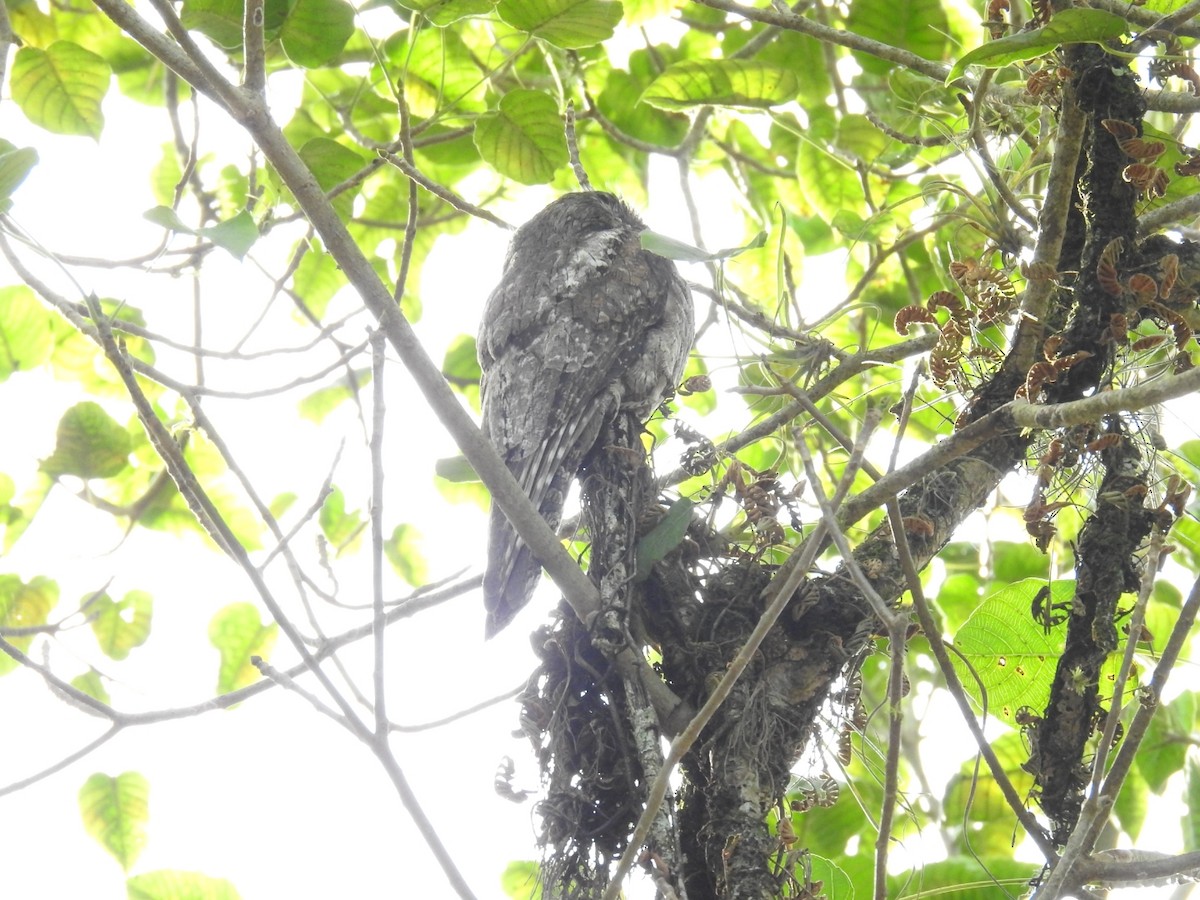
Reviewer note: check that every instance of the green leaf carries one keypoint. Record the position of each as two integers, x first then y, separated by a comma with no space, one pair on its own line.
461,367
455,469
439,70
1015,561
236,235
238,632
282,503
92,684
403,551
671,248
1077,25
620,100
1133,803
24,605
321,402
829,185
447,12
1013,656
835,882
317,279
172,884
919,26
26,331
119,627
341,528
1164,747
1191,817
978,804
331,164
664,537
570,24
722,82
315,31
522,880
221,20
90,444
524,138
15,164
60,88
992,877
115,812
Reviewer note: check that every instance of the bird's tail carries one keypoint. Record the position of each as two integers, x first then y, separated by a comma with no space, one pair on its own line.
512,573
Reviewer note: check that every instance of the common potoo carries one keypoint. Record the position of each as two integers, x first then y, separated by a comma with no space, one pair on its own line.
584,322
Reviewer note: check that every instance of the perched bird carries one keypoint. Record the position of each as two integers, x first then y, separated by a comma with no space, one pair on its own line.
584,322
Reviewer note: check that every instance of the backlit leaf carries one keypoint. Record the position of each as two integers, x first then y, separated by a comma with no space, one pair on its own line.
119,627
1014,656
238,632
315,31
90,444
403,551
524,138
24,605
722,82
918,26
1077,25
570,24
60,88
26,331
446,12
15,164
115,811
172,884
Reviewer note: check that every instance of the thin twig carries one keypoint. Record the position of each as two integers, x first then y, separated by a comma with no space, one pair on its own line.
581,174
1052,226
445,193
376,446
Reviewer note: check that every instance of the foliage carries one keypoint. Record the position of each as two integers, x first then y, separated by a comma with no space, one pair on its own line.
962,273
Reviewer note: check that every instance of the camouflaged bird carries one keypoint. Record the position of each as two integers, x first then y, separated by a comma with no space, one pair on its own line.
584,322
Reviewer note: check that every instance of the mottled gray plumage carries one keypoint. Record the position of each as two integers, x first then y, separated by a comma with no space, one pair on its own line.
584,322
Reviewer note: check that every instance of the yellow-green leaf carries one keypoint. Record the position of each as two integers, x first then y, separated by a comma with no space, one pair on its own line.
1077,25
236,235
90,444
315,31
115,811
446,12
15,164
24,605
331,164
321,402
403,551
26,331
238,632
671,248
119,627
92,684
722,82
340,527
919,26
60,88
172,884
1014,656
570,24
524,138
